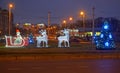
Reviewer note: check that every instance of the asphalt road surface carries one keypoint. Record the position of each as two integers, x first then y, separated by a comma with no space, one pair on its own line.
61,66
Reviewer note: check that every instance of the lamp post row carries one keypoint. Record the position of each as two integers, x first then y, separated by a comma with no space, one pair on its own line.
64,21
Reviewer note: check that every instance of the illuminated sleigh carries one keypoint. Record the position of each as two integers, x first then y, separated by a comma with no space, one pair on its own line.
10,42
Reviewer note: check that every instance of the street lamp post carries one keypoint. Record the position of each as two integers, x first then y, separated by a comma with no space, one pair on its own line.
71,24
64,22
70,19
83,18
93,15
49,22
10,7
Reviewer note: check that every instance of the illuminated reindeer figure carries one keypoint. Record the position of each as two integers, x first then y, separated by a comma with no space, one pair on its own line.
42,38
64,39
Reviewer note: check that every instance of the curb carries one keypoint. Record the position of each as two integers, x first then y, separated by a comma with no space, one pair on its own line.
60,57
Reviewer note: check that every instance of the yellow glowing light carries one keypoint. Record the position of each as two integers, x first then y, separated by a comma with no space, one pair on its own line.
70,18
82,13
11,5
97,33
64,21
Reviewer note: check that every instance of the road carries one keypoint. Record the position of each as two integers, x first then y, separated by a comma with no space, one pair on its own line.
61,66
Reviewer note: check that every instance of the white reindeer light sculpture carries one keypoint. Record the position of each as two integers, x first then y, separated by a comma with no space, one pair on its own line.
64,39
43,38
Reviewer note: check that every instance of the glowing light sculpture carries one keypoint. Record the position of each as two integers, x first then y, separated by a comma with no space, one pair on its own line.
42,38
31,39
64,39
105,40
17,41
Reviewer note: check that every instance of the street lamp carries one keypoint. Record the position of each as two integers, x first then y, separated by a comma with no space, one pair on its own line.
70,19
93,25
49,14
64,22
83,17
10,7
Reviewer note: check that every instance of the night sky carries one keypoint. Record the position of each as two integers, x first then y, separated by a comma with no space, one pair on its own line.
36,11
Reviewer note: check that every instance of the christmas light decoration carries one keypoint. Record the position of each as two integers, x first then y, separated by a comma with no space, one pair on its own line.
105,40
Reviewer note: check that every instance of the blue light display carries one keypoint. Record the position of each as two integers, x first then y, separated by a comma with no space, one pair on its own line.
106,27
101,35
31,40
110,36
105,40
106,44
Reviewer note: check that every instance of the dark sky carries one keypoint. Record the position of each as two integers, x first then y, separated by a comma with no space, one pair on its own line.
35,11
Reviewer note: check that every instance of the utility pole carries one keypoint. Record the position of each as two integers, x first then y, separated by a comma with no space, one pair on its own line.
49,22
93,25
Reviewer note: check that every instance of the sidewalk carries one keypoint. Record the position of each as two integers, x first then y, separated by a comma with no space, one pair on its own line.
56,54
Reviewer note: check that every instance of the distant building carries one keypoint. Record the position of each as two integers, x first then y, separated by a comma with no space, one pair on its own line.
4,22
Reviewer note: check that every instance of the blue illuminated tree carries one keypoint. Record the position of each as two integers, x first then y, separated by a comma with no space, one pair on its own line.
31,39
105,40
